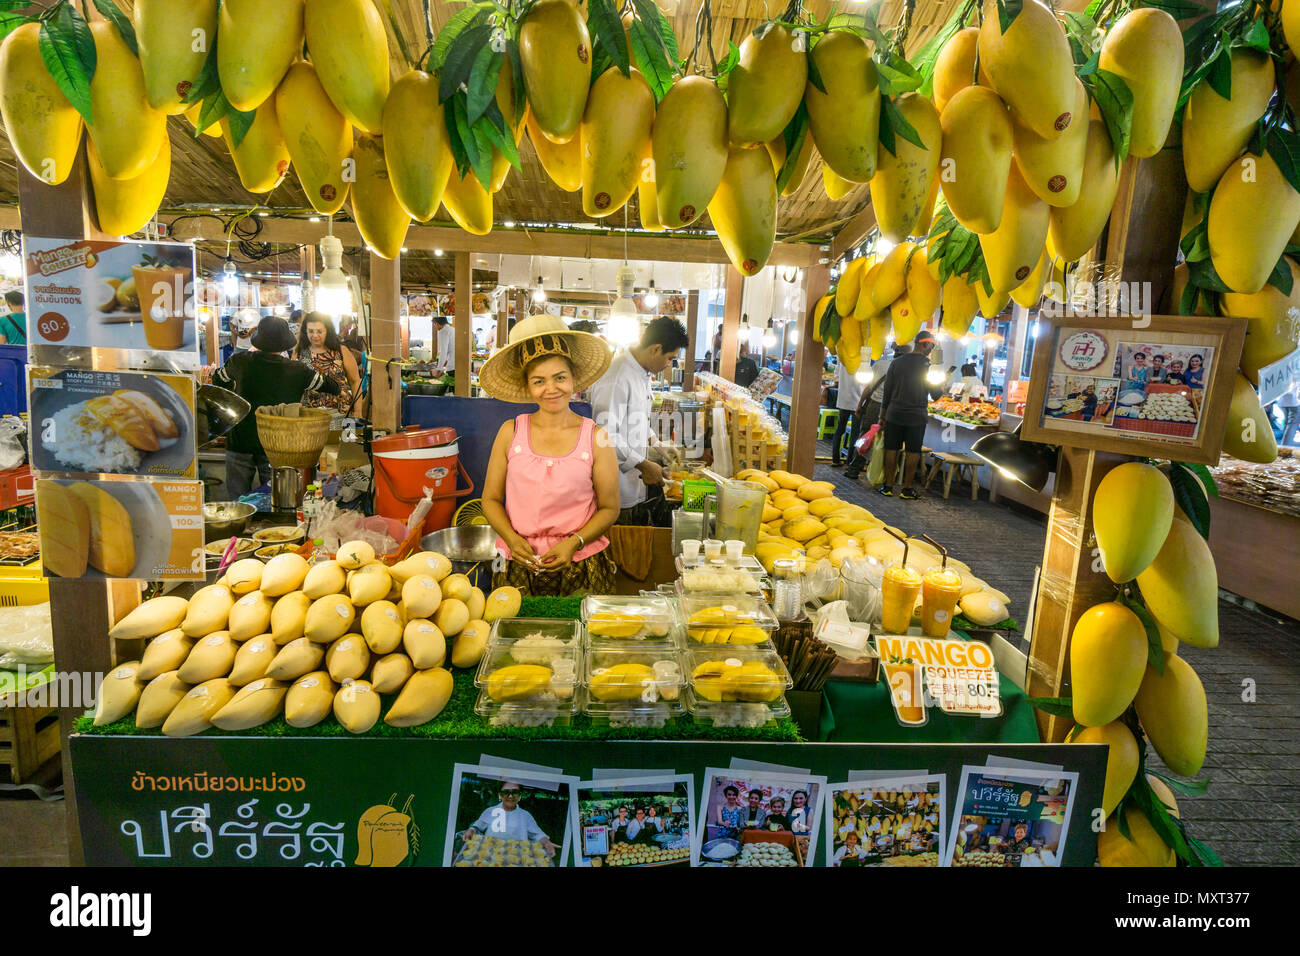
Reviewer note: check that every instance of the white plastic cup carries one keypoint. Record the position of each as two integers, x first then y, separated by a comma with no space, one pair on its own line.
735,549
712,548
690,551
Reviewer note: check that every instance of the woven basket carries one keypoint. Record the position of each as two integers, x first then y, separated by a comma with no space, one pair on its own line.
294,442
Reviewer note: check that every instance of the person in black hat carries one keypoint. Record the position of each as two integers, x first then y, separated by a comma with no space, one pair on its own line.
262,376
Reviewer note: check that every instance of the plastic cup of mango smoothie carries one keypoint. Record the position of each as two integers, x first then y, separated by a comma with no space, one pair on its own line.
905,692
940,591
898,593
162,304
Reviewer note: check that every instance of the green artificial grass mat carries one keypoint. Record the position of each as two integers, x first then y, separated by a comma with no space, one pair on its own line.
458,721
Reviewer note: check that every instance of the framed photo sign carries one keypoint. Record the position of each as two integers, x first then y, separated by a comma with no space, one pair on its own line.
1135,385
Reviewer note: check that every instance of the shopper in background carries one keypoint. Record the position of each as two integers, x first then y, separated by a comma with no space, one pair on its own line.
621,402
319,348
444,338
848,394
717,350
746,367
552,488
868,410
13,326
972,386
262,376
905,410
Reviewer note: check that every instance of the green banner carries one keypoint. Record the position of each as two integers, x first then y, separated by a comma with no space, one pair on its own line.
258,801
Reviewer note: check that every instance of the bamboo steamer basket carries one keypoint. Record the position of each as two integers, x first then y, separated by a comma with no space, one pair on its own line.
295,437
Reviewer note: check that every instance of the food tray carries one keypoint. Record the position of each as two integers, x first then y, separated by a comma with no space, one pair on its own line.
714,674
731,619
545,669
633,675
720,576
735,714
619,619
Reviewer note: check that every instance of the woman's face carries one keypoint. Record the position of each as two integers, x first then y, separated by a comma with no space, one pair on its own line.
798,799
550,383
316,334
1194,363
731,795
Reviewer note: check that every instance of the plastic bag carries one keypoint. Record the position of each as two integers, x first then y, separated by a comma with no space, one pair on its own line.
861,580
26,636
876,469
13,442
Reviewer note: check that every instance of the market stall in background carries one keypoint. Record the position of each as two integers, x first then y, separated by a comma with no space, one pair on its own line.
426,177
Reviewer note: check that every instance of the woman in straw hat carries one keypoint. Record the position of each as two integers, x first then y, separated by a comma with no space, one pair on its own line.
551,490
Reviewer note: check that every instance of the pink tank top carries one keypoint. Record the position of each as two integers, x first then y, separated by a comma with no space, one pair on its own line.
550,497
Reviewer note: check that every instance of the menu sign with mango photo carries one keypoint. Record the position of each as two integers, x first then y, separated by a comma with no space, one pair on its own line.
126,528
86,297
125,423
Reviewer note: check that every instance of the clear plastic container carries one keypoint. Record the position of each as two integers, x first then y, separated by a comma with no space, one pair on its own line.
721,577
535,670
754,675
622,618
538,712
508,629
633,675
732,619
736,714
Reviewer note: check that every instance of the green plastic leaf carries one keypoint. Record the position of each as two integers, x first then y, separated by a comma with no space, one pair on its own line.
459,23
207,82
1207,856
1056,706
9,22
606,28
1191,497
460,59
1115,101
1196,244
652,59
730,61
1094,7
926,57
61,53
1008,10
897,76
1166,826
114,15
1187,301
1280,277
1206,477
241,123
1219,74
1192,788
1255,37
214,109
482,85
794,135
494,128
892,123
517,73
1284,147
814,73
1204,275
1155,647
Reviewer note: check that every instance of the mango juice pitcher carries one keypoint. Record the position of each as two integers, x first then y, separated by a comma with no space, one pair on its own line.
740,511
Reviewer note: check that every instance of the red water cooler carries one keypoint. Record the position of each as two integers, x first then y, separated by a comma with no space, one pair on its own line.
411,463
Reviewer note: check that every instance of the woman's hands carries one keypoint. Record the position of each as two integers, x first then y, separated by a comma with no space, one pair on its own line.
520,549
560,555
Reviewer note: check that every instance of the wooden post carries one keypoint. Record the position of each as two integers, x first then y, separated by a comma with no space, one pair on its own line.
385,343
464,321
806,393
503,314
81,612
731,324
692,333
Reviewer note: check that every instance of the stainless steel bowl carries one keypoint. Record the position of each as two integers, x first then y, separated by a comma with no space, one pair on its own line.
710,850
225,519
471,550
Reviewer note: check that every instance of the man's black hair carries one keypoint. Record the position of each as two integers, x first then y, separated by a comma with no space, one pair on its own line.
665,332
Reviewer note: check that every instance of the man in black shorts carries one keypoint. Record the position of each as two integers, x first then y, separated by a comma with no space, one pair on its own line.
904,412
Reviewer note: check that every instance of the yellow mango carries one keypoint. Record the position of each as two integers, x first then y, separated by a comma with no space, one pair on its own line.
850,283
836,186
743,209
381,219
1131,514
349,48
164,653
1030,67
1011,251
347,658
289,617
960,303
155,616
1074,230
317,136
468,203
391,672
250,616
159,699
296,659
309,700
211,657
357,706
991,306
422,698
689,147
257,40
44,129
889,279
1121,761
118,693
976,157
1144,48
555,51
127,132
416,148
615,132
1108,654
903,177
845,120
173,40
1053,168
1172,710
1215,130
922,288
765,88
1181,587
251,661
194,712
1244,247
1145,848
1272,332
1030,291
1248,433
954,70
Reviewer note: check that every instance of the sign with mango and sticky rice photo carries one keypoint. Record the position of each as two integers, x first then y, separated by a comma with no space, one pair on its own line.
134,529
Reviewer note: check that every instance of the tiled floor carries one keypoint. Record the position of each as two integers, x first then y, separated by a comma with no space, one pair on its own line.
1251,813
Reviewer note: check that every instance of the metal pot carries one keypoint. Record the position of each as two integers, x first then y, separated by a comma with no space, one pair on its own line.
225,519
471,550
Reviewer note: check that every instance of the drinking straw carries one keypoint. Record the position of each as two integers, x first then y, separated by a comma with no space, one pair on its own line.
943,552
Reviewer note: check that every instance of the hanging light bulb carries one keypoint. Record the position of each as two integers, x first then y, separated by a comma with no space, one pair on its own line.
539,294
230,279
769,336
794,335
744,326
333,295
652,297
624,326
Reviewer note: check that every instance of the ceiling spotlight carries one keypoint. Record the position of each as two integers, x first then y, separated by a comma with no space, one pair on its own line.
652,297
539,294
769,336
437,252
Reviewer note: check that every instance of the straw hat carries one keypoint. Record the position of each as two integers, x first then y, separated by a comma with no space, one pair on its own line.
535,337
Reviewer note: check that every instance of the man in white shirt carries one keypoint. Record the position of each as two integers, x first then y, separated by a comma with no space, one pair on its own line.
445,340
621,403
508,821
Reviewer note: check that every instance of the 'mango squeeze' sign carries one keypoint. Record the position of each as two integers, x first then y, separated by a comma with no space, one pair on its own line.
960,677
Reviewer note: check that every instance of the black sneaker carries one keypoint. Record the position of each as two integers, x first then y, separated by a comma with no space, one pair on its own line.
909,494
852,475
886,490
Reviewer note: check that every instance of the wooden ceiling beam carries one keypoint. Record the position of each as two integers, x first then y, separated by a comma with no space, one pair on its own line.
854,231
